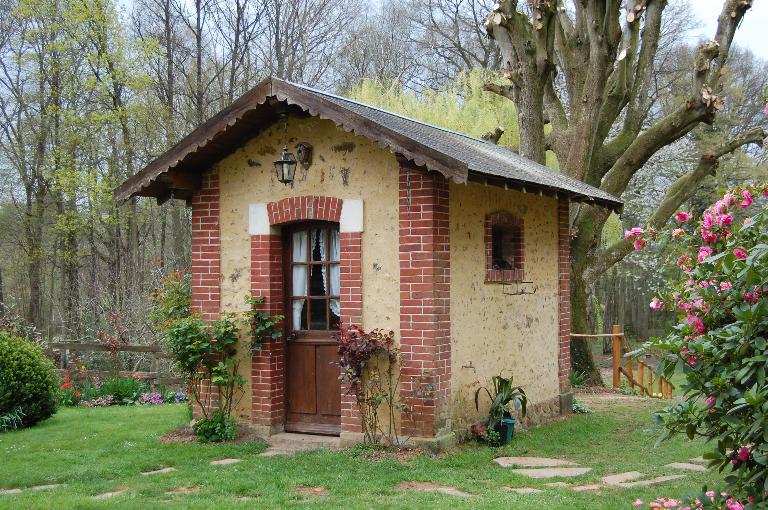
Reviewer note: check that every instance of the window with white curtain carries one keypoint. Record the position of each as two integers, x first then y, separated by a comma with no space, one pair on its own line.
315,278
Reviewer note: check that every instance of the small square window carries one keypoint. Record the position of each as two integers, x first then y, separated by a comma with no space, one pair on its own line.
504,248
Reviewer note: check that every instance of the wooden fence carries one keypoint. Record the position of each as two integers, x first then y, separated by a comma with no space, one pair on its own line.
644,381
154,376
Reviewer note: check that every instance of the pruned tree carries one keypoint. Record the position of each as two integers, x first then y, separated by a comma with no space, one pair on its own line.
586,69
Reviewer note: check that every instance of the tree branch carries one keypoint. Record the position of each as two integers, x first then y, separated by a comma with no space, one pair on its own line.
677,194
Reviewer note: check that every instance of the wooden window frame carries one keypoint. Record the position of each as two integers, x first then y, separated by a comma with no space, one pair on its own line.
288,271
516,274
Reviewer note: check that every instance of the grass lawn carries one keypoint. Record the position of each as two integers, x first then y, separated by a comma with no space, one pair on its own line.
100,450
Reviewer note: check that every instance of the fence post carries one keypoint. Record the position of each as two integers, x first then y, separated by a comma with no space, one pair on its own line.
616,350
641,375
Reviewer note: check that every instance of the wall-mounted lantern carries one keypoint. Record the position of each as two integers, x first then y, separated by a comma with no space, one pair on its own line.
285,166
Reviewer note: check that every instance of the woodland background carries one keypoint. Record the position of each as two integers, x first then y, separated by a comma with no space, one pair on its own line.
91,91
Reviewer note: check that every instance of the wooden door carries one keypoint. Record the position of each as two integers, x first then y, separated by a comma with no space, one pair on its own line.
312,315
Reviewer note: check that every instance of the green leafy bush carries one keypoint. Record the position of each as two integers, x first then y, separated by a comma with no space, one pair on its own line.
218,427
11,420
721,340
27,380
124,390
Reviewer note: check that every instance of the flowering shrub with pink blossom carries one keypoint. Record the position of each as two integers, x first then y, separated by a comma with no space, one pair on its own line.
721,340
708,500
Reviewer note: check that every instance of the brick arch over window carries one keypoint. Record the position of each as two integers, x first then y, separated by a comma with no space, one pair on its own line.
306,208
509,236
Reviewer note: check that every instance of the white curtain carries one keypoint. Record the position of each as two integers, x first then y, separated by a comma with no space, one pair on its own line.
335,279
319,237
299,276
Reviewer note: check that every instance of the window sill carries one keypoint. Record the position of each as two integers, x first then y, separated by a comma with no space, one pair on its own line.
503,275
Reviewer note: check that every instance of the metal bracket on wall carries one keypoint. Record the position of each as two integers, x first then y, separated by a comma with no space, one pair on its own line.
519,288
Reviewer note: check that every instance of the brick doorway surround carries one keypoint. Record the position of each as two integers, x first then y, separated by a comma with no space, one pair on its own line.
268,365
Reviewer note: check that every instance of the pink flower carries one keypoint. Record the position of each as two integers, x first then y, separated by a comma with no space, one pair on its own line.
696,322
656,304
708,236
710,494
692,361
678,232
638,503
640,243
747,199
747,221
735,505
711,400
740,253
703,284
671,503
136,376
723,220
743,455
682,216
704,253
627,234
707,221
726,286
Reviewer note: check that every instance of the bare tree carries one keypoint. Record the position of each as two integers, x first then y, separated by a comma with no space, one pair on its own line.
301,38
602,127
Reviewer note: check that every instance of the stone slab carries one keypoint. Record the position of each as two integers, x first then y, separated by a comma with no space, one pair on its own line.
158,471
224,462
558,485
47,487
687,466
522,490
586,488
108,495
621,478
552,472
652,481
432,487
530,462
4,492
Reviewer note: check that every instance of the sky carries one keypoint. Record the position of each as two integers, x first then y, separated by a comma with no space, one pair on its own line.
752,32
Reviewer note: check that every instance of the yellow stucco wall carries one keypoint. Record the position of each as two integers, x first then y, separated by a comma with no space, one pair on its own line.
344,166
490,330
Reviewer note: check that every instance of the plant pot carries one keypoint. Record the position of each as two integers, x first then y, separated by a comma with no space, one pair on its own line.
506,430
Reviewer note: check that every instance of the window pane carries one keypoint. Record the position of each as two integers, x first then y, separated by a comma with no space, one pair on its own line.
334,252
299,246
318,312
504,247
318,281
299,315
299,276
335,313
334,279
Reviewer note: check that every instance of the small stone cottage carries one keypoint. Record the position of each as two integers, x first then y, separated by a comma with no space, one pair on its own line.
459,246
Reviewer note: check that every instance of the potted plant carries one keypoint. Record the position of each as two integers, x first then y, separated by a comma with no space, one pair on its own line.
500,425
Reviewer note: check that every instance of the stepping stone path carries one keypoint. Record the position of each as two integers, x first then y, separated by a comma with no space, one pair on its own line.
432,487
698,460
552,472
522,490
224,462
108,495
685,466
8,492
158,471
540,467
